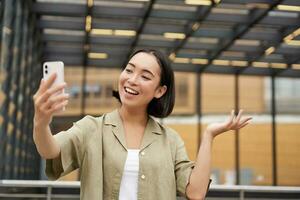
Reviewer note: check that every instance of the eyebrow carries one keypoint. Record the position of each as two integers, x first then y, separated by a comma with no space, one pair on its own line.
145,70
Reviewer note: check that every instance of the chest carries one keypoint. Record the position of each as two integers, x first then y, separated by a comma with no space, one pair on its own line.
133,136
157,155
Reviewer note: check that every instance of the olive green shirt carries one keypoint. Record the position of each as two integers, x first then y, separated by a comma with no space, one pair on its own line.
97,146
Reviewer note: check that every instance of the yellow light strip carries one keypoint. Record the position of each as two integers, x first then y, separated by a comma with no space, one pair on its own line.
198,2
260,64
172,56
239,63
181,60
221,62
296,32
293,42
288,38
269,51
278,65
199,61
98,55
113,32
196,26
90,3
88,23
292,35
296,66
170,35
245,42
125,32
102,31
288,8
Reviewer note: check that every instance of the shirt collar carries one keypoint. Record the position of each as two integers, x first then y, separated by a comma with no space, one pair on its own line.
113,118
151,133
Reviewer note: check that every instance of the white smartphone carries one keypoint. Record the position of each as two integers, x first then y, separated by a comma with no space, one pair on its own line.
54,67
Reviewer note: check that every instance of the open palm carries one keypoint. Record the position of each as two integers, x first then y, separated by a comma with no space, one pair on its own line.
233,123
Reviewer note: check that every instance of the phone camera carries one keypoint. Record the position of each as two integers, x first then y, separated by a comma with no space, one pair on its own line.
46,66
46,71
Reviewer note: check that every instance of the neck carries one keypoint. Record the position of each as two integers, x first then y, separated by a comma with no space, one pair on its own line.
133,115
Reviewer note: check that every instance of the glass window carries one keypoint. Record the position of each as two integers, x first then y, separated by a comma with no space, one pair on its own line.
188,130
185,84
217,97
105,80
73,78
255,140
287,127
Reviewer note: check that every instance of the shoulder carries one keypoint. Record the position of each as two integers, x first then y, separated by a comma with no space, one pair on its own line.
171,134
89,123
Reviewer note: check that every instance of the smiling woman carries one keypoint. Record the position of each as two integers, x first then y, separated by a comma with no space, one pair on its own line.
126,154
151,69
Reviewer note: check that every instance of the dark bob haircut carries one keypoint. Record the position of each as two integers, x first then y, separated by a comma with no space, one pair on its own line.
163,106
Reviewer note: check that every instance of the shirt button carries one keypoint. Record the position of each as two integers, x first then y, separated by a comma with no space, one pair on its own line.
143,176
142,153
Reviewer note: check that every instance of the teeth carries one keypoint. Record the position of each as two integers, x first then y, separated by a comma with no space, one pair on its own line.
131,91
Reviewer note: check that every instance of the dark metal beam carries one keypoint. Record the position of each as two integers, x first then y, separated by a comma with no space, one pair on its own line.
86,48
71,39
139,31
59,9
274,44
274,139
200,17
240,31
236,135
198,89
59,24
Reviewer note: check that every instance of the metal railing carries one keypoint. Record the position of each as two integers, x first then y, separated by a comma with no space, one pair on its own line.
50,190
38,189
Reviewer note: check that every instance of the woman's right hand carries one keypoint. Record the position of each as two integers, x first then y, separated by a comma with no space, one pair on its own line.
47,102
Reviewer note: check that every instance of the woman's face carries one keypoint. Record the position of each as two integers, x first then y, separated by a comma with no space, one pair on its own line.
139,82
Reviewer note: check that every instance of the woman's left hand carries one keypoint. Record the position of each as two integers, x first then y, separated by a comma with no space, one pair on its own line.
233,123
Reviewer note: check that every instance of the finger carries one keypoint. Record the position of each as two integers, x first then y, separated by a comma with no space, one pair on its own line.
58,102
238,118
243,125
58,107
47,84
245,120
42,82
45,96
53,101
35,96
231,116
230,120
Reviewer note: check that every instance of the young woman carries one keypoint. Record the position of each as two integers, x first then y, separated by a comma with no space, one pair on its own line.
126,154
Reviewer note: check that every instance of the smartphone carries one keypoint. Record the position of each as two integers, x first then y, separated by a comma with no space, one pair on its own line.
54,67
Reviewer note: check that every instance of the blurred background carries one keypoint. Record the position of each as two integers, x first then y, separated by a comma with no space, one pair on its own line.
227,54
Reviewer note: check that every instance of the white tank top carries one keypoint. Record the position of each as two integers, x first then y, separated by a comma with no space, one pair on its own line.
129,182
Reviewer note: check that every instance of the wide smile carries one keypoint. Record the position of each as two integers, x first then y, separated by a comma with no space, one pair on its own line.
131,91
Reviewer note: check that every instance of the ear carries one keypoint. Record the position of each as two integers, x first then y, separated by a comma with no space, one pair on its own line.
160,91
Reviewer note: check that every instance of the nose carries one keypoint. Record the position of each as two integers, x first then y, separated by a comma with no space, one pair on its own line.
133,79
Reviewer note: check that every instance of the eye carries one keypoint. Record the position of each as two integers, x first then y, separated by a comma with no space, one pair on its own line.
145,77
128,70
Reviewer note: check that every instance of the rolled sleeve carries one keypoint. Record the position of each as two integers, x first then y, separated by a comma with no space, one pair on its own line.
183,167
